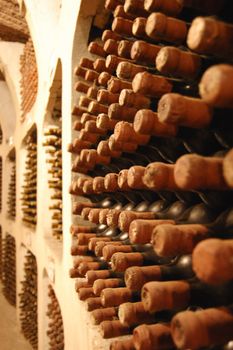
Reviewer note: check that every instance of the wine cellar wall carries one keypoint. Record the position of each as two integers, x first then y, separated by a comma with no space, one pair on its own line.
116,174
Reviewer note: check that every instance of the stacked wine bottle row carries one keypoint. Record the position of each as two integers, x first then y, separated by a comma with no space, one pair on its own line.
55,330
28,194
9,269
53,144
29,78
11,200
28,300
153,155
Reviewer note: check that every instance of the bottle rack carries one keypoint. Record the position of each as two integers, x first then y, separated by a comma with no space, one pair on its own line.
55,330
58,49
11,202
29,199
9,269
28,300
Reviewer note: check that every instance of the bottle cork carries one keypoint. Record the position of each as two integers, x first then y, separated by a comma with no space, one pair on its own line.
185,111
93,215
93,241
86,136
196,172
124,49
106,97
134,177
123,180
96,108
115,296
93,303
147,122
100,246
170,240
126,344
112,217
79,250
120,12
202,328
86,292
212,261
156,336
84,101
112,61
79,228
98,184
119,146
74,273
109,34
87,116
127,216
78,145
228,168
215,86
104,150
210,36
160,176
99,315
137,276
81,284
111,329
118,112
110,182
111,47
104,122
85,212
91,127
94,275
103,216
88,186
80,86
139,27
77,111
77,125
168,295
122,26
178,63
129,98
99,65
132,314
80,71
95,158
151,85
96,49
103,78
86,63
115,85
109,250
83,238
92,92
142,51
91,76
112,4
121,261
161,27
127,70
101,284
135,8
124,132
170,8
140,231
87,266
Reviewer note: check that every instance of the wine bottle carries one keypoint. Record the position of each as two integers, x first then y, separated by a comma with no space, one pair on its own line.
168,295
212,261
179,268
202,328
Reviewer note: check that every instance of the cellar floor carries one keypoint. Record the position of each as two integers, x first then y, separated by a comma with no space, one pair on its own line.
10,336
